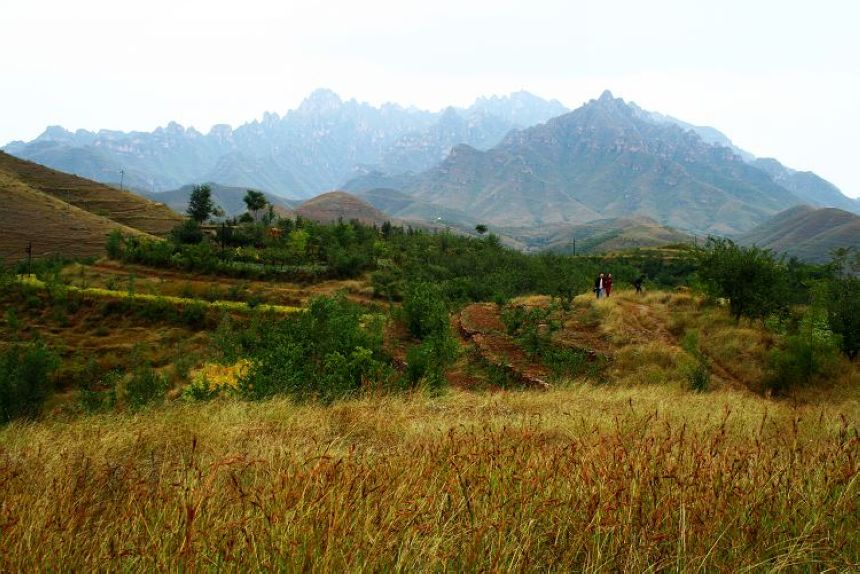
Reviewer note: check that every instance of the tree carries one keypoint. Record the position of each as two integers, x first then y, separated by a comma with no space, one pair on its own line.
200,204
481,228
752,279
843,300
255,200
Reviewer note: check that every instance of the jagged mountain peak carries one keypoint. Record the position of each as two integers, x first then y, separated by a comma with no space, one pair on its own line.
320,100
53,133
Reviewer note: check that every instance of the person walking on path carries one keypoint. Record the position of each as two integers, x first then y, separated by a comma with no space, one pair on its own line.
638,284
598,285
607,284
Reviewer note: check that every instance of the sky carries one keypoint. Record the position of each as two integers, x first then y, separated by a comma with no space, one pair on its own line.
780,78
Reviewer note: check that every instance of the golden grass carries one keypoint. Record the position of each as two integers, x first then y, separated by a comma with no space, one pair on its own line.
576,479
122,207
647,333
53,226
98,292
170,282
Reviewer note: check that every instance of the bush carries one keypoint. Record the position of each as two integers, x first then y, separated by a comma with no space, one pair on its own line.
330,351
425,311
699,373
98,393
114,244
843,312
752,279
800,360
428,361
531,327
25,380
144,387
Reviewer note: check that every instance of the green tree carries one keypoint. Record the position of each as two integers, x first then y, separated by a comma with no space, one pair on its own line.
481,228
843,300
200,204
752,279
255,201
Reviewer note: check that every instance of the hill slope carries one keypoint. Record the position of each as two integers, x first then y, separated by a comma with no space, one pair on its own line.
335,205
52,226
807,233
601,161
609,235
122,207
63,214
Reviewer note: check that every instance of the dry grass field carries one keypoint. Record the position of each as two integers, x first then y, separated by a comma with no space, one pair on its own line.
580,478
621,469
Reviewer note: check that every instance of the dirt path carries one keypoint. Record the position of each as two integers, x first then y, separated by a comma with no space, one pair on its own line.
481,325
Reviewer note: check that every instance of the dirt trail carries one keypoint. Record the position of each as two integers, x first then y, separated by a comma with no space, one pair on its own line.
481,325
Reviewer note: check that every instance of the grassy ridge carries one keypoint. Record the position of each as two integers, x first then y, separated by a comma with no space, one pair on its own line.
581,478
100,293
123,207
68,215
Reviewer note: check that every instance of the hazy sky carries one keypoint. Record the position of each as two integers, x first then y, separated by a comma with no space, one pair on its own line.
781,78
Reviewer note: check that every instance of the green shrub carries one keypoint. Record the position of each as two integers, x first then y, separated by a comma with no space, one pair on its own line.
25,380
199,390
98,393
425,311
144,387
194,314
843,312
801,360
114,244
327,352
699,373
755,282
427,362
532,327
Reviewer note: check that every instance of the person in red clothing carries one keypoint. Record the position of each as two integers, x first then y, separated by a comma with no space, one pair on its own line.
607,284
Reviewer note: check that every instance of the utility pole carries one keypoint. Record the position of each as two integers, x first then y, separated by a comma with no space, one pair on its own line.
121,178
29,257
573,243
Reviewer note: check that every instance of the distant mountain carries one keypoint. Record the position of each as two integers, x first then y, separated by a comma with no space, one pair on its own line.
406,207
230,199
600,236
518,109
601,161
59,213
309,150
807,233
708,134
807,186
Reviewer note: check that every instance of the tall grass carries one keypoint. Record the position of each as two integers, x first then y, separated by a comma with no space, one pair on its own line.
578,479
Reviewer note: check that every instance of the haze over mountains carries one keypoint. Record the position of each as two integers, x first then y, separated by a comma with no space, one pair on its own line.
534,171
608,159
309,150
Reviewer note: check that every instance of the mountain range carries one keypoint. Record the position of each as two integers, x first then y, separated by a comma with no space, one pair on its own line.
534,171
606,160
310,150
